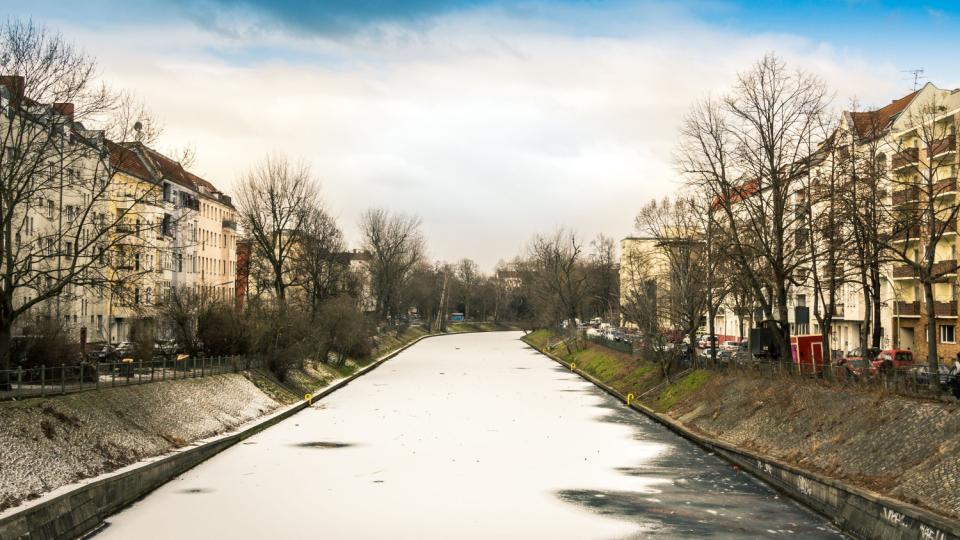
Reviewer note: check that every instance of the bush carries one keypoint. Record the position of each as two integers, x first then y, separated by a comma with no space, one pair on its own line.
280,335
343,331
142,336
47,342
223,330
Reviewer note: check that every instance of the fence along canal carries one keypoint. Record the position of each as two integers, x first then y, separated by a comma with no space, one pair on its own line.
65,379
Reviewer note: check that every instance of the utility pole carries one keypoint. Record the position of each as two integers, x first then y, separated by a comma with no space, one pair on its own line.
440,308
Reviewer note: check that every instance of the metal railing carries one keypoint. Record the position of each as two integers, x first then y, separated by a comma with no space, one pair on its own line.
621,346
67,379
912,381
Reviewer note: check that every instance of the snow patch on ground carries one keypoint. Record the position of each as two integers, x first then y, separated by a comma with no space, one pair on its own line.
51,442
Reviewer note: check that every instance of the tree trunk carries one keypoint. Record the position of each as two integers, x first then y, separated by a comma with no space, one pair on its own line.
826,325
711,329
868,319
5,352
931,335
875,291
783,329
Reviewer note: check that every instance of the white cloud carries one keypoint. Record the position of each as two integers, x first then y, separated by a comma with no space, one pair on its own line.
489,129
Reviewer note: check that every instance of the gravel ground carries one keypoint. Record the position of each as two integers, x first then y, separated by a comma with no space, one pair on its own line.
905,448
48,443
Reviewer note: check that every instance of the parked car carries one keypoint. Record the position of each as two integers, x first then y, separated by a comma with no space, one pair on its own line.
890,361
730,346
923,375
105,354
852,367
165,347
725,356
125,349
705,341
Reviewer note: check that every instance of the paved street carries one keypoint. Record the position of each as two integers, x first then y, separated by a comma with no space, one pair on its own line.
470,436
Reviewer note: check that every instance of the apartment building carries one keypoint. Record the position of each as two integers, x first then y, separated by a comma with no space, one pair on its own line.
54,177
645,279
106,229
923,163
191,226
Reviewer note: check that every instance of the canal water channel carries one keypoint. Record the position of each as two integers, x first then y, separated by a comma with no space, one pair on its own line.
461,437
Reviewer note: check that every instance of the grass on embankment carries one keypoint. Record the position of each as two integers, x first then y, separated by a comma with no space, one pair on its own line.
457,328
678,390
624,373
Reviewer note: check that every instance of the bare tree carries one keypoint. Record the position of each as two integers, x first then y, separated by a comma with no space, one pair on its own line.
683,278
560,280
748,152
864,199
65,228
826,226
604,279
320,264
276,200
396,245
469,278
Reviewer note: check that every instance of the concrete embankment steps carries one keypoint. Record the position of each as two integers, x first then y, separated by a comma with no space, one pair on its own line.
858,512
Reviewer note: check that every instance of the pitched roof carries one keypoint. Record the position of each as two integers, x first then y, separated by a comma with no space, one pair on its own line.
870,124
126,160
173,171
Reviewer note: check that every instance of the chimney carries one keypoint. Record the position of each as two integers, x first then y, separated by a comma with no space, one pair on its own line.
64,109
14,83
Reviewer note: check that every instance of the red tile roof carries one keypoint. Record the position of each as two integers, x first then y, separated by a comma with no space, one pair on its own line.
869,124
127,161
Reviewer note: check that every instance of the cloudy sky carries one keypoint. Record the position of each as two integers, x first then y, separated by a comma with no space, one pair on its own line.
491,120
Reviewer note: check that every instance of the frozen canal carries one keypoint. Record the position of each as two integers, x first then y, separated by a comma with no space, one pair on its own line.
469,436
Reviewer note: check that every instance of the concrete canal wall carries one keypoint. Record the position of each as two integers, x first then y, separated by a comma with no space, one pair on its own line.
858,512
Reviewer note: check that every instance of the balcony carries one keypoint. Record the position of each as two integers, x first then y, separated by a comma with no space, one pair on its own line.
907,156
903,271
837,310
946,186
229,224
908,309
945,309
904,234
942,268
944,145
948,227
906,195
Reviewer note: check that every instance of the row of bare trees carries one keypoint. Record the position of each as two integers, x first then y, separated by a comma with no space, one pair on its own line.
792,196
63,136
561,278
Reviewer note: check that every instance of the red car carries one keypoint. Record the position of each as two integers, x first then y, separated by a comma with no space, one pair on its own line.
891,360
853,367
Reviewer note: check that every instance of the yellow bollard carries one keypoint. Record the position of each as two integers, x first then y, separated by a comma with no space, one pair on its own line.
308,398
629,399
573,366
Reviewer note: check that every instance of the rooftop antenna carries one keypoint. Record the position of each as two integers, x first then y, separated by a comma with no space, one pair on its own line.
917,76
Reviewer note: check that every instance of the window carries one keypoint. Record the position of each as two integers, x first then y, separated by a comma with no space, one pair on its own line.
948,333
